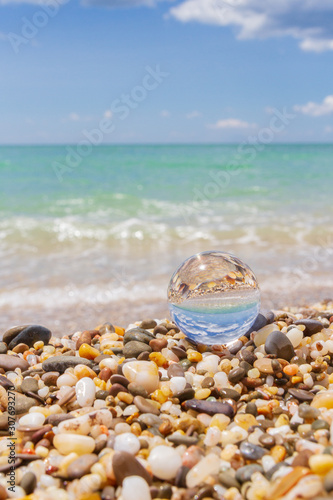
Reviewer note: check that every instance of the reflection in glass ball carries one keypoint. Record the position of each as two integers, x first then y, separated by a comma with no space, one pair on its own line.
214,298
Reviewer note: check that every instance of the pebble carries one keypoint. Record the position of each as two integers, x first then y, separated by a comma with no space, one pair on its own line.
177,384
251,451
142,373
139,335
127,442
209,465
28,482
321,464
323,400
29,385
61,363
81,466
209,407
148,324
12,333
278,343
301,395
164,462
261,336
264,365
145,406
73,443
236,375
32,419
9,363
3,348
175,370
135,487
30,335
23,403
328,481
295,336
244,474
124,464
312,326
134,348
85,390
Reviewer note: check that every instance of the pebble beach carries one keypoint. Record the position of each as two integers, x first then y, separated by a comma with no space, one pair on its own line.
143,413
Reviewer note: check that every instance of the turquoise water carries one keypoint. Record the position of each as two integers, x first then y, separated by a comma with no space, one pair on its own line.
114,228
216,321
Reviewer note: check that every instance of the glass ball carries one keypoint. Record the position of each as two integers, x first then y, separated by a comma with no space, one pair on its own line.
214,298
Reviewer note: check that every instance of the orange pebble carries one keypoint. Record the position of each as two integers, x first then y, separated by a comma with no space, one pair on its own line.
119,331
278,453
290,370
88,352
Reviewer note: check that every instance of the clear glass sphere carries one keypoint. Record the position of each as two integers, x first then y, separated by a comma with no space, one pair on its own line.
214,298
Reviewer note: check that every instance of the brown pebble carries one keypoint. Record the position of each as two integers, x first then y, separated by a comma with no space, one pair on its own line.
105,374
180,353
115,388
124,465
67,397
302,459
145,406
264,365
81,466
50,378
85,338
160,329
148,324
119,379
158,344
175,370
208,382
20,348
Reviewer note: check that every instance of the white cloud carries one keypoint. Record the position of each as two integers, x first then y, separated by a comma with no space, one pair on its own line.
308,21
165,113
328,130
108,114
232,123
73,117
317,109
193,114
123,4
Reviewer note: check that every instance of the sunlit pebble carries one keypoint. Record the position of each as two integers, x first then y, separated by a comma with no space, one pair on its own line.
177,384
212,437
270,380
164,462
85,391
204,419
221,380
122,428
43,392
130,410
308,380
67,379
32,419
127,442
135,487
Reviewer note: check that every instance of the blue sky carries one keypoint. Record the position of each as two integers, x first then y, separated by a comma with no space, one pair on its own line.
66,65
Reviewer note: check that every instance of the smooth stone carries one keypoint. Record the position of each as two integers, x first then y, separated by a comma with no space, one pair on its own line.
312,326
85,391
227,393
139,335
177,439
180,480
116,388
308,412
261,335
127,442
3,348
55,420
259,323
119,379
295,336
236,375
5,382
12,333
158,344
20,348
228,481
320,424
23,403
61,363
145,406
328,481
267,440
236,346
50,378
186,394
148,324
84,423
124,465
278,343
143,373
208,466
150,420
108,493
177,384
264,365
251,451
67,397
301,395
245,473
9,363
31,335
81,466
135,487
209,407
323,400
164,462
134,348
29,385
180,353
175,370
32,419
137,390
28,482
69,443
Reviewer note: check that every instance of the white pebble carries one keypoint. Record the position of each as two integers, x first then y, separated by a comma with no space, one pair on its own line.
85,391
43,392
32,419
295,336
127,442
209,364
164,462
267,462
177,384
209,465
213,436
68,379
135,487
221,380
143,373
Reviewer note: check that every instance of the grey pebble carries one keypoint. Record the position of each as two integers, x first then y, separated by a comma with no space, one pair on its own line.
244,474
134,348
61,363
251,451
28,482
278,343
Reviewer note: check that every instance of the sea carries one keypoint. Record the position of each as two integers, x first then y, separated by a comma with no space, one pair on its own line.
95,235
